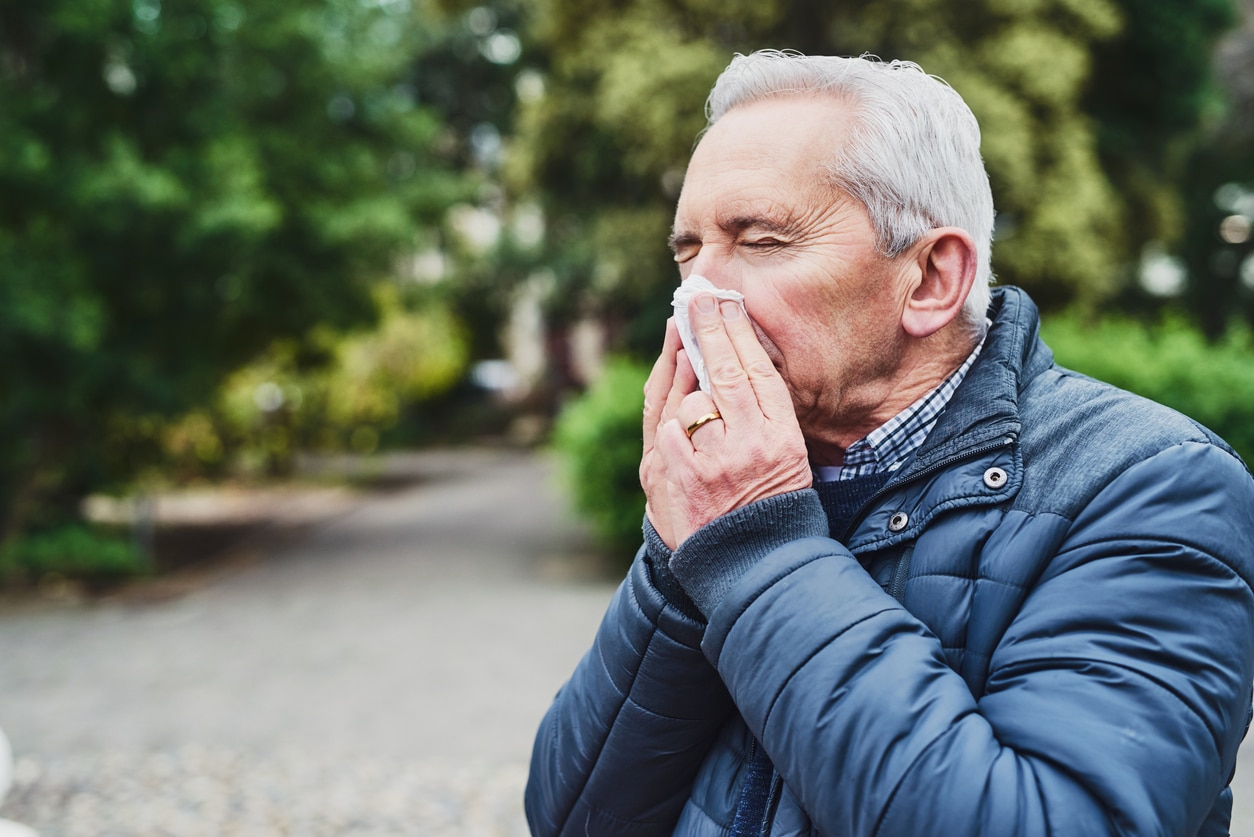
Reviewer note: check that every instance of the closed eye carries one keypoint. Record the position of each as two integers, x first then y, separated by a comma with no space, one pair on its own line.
762,243
684,254
684,247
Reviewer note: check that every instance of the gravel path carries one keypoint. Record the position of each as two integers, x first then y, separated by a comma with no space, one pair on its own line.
195,791
381,674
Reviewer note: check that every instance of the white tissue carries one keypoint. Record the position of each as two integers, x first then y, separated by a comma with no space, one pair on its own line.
691,286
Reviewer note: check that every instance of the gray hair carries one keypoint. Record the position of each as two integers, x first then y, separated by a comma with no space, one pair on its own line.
913,153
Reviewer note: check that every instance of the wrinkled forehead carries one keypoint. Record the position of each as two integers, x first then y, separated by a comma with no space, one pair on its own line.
794,133
767,153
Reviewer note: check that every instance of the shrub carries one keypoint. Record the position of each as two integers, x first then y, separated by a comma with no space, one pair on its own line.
78,552
268,411
598,437
1171,363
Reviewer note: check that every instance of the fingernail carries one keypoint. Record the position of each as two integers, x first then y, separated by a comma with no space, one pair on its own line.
731,310
705,304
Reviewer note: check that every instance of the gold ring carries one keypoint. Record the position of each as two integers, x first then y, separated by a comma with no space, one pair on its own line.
701,422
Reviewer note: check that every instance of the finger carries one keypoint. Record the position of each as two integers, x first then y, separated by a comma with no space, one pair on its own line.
699,417
660,383
673,441
769,387
685,384
674,445
742,375
694,406
729,382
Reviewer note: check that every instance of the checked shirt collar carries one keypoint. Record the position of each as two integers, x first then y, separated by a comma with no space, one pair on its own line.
890,445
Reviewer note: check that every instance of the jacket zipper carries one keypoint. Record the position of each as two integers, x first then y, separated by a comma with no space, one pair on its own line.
772,803
897,588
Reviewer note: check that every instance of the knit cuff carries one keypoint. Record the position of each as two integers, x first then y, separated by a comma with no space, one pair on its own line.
715,557
658,555
654,545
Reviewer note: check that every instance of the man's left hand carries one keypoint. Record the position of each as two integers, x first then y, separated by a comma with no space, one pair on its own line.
754,451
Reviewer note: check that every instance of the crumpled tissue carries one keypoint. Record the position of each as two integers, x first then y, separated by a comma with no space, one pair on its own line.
687,289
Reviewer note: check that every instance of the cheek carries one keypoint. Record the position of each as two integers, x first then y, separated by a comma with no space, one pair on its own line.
784,330
772,350
793,356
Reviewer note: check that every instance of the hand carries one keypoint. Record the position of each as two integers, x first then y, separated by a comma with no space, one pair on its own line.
670,380
755,451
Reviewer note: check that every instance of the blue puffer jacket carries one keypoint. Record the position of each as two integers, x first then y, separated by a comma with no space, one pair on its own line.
1044,625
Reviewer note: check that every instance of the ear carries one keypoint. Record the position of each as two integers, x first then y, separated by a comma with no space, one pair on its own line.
945,261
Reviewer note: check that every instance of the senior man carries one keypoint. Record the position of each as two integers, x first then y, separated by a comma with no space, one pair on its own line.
901,574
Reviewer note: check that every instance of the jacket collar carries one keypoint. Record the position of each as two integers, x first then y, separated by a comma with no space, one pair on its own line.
986,406
981,424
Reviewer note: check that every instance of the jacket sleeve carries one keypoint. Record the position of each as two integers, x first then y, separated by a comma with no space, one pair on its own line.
619,748
1116,701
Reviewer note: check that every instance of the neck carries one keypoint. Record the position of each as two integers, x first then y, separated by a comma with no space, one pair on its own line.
925,365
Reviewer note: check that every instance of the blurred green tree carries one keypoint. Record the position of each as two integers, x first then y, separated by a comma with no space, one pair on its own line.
1062,89
275,407
1218,249
1151,94
180,185
472,76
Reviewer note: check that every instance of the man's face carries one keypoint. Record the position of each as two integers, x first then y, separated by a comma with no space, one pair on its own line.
757,215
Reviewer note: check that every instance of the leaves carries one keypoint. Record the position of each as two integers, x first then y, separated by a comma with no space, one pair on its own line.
599,438
183,184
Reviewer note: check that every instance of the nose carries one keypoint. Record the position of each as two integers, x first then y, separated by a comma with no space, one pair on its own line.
713,265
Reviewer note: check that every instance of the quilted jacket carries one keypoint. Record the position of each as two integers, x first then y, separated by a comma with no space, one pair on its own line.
1044,625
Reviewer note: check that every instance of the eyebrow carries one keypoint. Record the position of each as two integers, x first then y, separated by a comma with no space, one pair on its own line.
735,226
677,241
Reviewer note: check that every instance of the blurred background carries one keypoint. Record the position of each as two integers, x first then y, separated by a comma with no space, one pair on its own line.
293,291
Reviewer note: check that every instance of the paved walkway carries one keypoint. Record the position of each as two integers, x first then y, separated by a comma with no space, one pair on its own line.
380,673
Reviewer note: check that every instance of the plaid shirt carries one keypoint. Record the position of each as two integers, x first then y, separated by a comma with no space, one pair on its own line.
887,447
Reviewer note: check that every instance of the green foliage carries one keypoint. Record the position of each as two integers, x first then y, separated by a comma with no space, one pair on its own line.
182,184
598,436
472,73
76,552
280,404
1171,43
1158,111
1221,270
1047,79
1171,363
